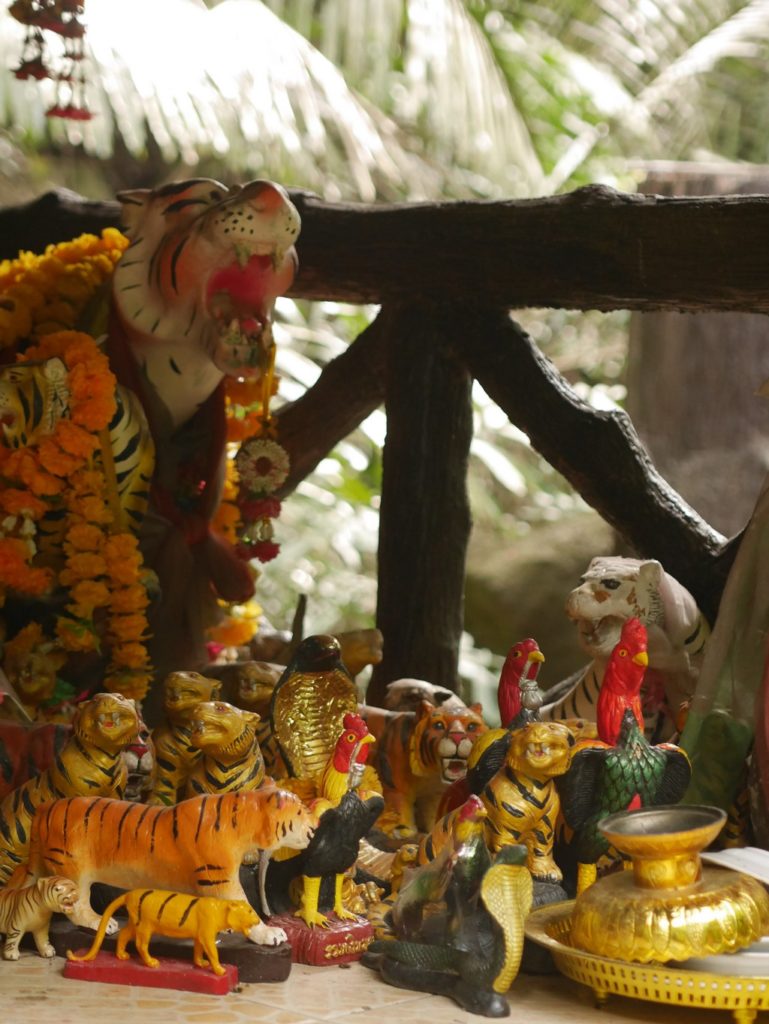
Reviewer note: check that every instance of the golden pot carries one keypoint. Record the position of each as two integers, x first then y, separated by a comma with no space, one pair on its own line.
669,907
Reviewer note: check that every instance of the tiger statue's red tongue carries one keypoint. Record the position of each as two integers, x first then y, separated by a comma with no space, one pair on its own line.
249,290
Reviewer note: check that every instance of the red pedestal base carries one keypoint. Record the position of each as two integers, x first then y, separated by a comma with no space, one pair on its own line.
181,975
340,943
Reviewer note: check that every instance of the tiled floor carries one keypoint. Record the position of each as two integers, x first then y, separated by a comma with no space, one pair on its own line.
33,991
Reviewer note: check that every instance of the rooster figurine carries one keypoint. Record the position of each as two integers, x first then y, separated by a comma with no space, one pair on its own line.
345,816
519,699
621,770
621,686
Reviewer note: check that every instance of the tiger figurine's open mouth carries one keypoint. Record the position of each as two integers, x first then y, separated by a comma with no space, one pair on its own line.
203,270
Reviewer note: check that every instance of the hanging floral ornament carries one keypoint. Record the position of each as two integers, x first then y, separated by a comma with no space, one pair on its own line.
65,19
262,466
33,58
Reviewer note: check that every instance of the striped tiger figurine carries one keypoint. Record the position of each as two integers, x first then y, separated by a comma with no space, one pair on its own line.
521,800
90,762
30,910
175,755
177,915
34,396
612,590
196,846
417,756
195,290
232,758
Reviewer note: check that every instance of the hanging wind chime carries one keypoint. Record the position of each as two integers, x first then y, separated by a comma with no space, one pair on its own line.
65,19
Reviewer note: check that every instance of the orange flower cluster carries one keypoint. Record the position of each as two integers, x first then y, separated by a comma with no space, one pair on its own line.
239,627
85,566
129,670
243,406
43,294
101,570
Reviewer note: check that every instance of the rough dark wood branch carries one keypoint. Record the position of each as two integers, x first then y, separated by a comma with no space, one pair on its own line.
599,453
424,523
350,387
589,249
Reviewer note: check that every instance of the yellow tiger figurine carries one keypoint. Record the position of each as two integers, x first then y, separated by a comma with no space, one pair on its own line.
175,756
196,846
91,762
30,910
417,756
521,800
177,915
232,758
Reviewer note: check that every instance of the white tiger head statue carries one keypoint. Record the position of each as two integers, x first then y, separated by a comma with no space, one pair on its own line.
205,266
614,589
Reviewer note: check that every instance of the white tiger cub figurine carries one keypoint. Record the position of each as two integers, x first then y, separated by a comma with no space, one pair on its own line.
612,590
30,910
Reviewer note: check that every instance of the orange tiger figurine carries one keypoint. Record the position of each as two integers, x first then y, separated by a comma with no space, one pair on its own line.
417,756
196,847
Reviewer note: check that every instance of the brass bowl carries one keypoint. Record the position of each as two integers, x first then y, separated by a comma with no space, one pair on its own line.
664,842
669,908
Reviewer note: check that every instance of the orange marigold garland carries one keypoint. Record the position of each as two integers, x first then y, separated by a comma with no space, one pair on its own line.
101,569
48,293
129,670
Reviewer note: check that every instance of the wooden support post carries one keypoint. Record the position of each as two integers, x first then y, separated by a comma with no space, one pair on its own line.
425,517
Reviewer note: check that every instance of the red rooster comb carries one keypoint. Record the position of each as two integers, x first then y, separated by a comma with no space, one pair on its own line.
353,743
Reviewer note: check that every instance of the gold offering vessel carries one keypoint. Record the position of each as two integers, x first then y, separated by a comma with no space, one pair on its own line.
669,907
656,983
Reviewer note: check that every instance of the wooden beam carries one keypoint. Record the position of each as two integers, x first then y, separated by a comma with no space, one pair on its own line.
600,455
424,523
594,248
350,387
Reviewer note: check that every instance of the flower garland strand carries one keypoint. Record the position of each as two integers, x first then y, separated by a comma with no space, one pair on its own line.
46,293
62,469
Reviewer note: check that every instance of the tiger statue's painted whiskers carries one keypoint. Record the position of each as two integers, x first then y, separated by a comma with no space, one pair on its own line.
91,762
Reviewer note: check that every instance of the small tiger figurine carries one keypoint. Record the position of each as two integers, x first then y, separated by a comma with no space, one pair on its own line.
521,800
247,684
417,756
91,762
30,910
232,758
177,915
175,756
196,846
